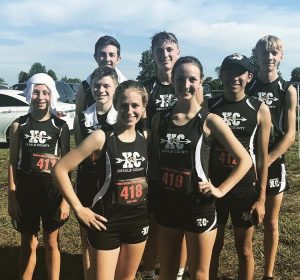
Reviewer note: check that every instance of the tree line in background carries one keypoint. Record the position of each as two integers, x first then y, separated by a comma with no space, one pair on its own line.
148,70
37,67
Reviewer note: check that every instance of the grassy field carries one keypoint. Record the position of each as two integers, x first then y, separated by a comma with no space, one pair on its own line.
287,264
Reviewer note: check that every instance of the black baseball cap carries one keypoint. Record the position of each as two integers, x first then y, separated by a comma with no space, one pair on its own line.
236,59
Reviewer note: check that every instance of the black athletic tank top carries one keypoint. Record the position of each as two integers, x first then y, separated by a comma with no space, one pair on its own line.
41,143
125,187
273,95
87,130
184,153
241,117
161,97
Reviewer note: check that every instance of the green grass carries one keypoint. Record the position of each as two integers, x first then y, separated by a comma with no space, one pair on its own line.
287,263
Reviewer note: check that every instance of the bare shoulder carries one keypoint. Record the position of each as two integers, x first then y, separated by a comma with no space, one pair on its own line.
291,94
212,121
264,109
214,126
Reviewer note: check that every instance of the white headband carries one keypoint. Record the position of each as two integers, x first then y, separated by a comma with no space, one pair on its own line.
42,79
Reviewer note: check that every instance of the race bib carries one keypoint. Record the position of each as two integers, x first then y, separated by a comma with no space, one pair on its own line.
42,163
131,192
176,179
226,159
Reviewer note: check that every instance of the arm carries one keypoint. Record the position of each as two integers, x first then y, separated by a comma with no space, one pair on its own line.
263,133
289,125
60,176
64,143
13,205
215,127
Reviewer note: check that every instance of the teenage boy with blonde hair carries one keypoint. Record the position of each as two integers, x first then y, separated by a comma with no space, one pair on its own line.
280,96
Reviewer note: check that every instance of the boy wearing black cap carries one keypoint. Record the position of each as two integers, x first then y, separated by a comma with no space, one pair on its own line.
281,98
250,121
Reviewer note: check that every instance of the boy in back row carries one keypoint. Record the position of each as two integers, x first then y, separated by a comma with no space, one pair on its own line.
107,53
281,98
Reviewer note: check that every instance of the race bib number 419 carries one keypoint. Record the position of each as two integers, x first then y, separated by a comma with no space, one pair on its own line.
42,163
131,192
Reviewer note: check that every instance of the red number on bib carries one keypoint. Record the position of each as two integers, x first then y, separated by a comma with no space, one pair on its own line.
124,192
226,159
131,192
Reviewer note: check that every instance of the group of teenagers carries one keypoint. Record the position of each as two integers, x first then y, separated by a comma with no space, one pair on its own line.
159,169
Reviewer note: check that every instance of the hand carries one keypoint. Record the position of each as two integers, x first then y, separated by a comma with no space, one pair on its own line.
14,210
64,211
90,218
207,189
259,207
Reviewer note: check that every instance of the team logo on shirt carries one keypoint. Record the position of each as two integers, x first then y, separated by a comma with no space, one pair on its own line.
267,97
175,141
166,100
37,137
130,160
233,119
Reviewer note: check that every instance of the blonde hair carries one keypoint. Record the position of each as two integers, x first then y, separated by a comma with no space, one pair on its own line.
133,85
269,42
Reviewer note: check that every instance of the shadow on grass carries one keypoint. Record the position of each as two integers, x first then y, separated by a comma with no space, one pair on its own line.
71,265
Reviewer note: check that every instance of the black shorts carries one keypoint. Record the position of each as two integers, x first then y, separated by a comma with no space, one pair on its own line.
131,231
277,181
39,199
239,206
193,213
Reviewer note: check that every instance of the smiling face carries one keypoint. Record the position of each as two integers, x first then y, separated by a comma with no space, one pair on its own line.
40,98
130,107
187,81
103,90
165,55
107,56
235,80
268,59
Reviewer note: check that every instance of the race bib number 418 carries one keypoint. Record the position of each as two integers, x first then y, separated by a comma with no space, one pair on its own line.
42,163
131,192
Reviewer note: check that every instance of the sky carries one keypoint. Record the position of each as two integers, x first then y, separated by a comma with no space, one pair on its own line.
61,34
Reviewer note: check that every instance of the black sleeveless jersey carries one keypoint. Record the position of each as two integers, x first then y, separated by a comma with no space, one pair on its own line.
41,143
87,130
123,193
183,154
241,117
89,121
273,95
161,97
